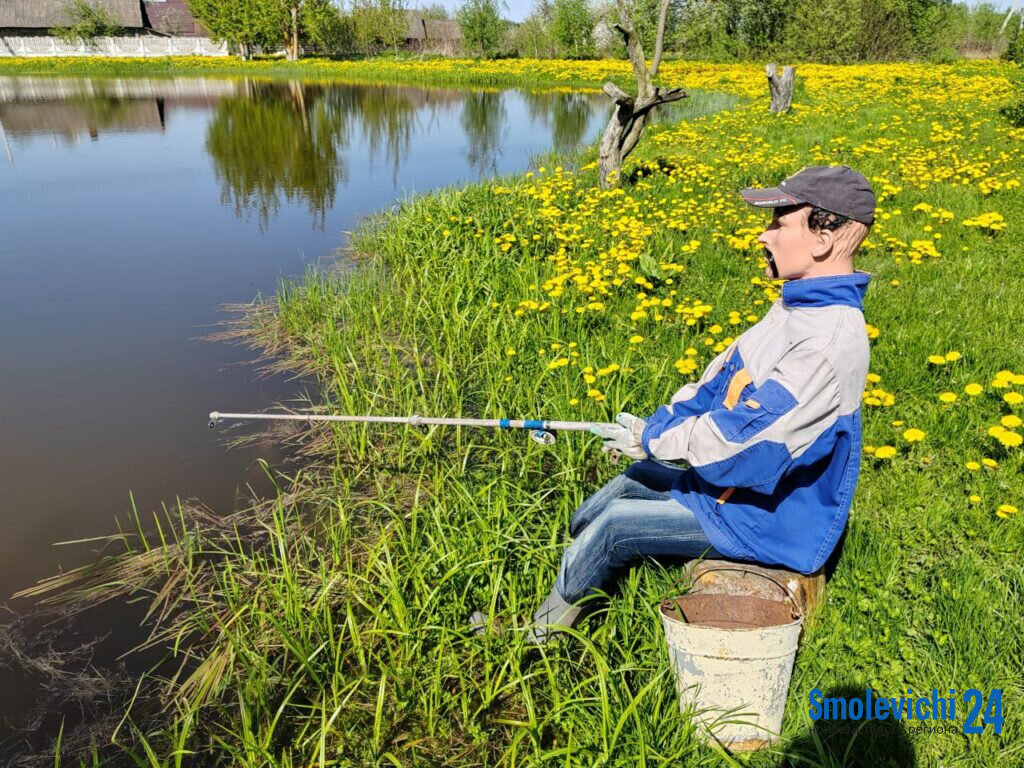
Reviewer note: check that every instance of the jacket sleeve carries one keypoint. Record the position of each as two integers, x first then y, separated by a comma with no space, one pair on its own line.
691,399
752,443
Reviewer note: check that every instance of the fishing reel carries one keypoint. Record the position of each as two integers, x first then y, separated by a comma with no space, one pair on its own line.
542,436
214,420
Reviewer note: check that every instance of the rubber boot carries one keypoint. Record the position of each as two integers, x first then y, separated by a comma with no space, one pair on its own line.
554,612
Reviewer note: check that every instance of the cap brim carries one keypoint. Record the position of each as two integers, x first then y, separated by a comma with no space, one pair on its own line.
769,197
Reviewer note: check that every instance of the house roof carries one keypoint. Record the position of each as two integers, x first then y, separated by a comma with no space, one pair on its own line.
415,30
43,14
438,29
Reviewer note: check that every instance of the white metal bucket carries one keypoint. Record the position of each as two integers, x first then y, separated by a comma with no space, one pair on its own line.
732,655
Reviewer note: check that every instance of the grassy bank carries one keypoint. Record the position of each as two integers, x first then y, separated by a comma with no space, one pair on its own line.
332,628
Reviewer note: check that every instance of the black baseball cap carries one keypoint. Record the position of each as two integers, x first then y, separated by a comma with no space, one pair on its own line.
835,188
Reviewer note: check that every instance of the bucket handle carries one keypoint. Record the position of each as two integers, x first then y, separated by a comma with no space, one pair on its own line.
784,587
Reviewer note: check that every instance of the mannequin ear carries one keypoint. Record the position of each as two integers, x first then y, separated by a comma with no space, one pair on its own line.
823,242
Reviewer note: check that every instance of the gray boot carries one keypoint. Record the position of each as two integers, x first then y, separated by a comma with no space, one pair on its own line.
553,613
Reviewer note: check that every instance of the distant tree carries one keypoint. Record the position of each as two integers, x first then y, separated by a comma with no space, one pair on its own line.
379,24
267,23
88,23
646,15
244,24
573,27
482,26
533,38
434,12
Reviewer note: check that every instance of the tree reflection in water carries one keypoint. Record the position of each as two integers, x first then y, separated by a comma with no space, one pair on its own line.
278,139
275,140
483,118
567,115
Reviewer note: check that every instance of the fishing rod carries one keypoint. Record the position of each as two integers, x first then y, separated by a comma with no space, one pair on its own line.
541,430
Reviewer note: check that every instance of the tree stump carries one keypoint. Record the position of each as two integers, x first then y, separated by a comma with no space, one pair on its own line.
781,88
734,578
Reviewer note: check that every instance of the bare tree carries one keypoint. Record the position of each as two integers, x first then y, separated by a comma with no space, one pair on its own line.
628,121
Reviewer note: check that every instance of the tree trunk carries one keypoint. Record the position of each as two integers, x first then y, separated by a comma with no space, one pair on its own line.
660,39
780,88
293,35
628,121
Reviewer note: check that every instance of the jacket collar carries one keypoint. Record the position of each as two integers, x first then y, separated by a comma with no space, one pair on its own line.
825,291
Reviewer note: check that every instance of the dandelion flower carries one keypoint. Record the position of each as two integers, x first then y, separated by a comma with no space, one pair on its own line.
1011,439
913,435
1011,421
973,466
973,389
1014,398
885,452
974,498
898,423
990,463
1005,510
953,356
936,359
947,397
636,339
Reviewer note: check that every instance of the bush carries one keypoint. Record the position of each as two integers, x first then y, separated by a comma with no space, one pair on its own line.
88,23
1015,50
1014,113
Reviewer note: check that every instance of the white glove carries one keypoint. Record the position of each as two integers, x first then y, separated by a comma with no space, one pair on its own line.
624,436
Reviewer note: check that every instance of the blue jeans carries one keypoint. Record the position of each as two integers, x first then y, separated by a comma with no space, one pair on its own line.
632,517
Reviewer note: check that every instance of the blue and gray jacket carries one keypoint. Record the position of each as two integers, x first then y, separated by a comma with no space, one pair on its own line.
771,430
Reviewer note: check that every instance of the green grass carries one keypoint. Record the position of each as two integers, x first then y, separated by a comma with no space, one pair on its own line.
329,625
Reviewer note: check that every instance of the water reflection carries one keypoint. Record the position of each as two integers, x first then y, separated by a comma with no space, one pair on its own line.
273,142
566,114
483,119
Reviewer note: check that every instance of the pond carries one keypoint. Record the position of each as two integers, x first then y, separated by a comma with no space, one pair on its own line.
130,211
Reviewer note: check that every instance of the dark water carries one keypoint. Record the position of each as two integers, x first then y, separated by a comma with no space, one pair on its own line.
129,211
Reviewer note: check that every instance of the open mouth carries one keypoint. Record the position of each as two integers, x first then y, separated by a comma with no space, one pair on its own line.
768,257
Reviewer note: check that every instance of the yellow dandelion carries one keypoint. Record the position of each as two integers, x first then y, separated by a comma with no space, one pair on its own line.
898,423
636,339
973,389
1005,510
913,435
1013,398
953,356
510,351
974,498
936,359
885,452
990,463
1011,439
1011,421
973,466
947,397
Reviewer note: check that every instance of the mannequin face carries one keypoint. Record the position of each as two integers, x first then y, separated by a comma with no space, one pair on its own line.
797,251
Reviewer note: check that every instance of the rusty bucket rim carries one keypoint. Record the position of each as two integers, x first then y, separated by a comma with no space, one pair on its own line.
671,600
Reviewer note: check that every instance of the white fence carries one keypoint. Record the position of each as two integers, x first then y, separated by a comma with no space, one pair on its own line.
141,45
